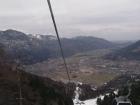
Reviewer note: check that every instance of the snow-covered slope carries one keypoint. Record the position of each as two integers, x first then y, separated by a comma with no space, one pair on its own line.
77,101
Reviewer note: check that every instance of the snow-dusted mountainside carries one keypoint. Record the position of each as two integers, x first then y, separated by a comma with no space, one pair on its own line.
42,37
37,48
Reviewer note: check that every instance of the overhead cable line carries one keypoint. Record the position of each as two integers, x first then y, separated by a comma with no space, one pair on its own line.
58,38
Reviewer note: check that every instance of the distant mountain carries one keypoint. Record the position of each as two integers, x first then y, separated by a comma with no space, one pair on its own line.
36,48
131,52
123,43
84,44
13,35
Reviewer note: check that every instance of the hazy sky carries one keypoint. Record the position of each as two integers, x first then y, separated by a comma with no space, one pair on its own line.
110,19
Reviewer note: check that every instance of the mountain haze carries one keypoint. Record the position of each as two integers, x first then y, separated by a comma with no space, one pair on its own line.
131,52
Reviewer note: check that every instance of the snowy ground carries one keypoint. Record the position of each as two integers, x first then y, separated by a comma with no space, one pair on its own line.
76,100
91,102
87,102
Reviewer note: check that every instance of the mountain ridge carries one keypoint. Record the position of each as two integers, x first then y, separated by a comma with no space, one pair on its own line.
33,49
131,52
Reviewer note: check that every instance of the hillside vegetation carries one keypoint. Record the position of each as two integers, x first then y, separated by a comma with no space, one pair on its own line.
35,90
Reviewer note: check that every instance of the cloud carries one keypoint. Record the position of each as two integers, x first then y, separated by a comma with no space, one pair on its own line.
110,19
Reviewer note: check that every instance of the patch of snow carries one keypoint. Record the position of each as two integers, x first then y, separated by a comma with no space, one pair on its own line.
87,102
76,100
116,92
80,83
38,36
94,89
91,102
35,36
105,83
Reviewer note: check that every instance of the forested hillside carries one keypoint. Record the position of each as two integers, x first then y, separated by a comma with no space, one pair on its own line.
34,90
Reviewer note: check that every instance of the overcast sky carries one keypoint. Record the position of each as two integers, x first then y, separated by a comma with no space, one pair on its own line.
110,19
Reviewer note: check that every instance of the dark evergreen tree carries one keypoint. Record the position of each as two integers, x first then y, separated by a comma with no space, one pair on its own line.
99,101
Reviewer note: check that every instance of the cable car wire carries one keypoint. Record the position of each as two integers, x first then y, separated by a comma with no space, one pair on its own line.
58,38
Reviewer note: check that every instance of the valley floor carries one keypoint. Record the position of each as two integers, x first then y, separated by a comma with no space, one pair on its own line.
86,68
